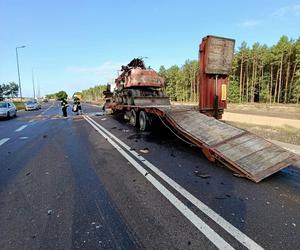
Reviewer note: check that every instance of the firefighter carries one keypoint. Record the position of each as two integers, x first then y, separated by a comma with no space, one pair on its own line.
77,105
64,106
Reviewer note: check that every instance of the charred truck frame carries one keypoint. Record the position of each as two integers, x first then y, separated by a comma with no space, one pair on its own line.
139,96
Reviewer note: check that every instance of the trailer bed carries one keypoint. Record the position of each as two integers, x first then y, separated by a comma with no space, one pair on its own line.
245,153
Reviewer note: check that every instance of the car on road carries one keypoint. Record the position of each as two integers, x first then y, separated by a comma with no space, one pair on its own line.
45,99
32,105
8,109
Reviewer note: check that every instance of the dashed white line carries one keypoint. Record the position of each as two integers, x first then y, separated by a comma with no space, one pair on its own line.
236,233
46,110
21,128
2,141
214,237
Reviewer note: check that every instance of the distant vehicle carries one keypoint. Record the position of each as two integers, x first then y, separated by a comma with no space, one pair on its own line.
7,109
45,99
32,105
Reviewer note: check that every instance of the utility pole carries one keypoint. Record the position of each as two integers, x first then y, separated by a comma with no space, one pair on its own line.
21,47
33,84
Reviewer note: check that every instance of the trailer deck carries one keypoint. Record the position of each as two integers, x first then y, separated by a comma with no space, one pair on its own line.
243,152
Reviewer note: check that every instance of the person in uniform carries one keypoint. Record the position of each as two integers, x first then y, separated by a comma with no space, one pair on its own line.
77,104
64,106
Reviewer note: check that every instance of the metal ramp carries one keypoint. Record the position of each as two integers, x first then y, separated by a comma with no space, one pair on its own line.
245,153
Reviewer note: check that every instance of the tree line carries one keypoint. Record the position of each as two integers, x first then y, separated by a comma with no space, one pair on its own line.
10,90
259,74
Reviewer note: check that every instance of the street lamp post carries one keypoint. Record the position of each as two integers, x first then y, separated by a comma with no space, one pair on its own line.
21,47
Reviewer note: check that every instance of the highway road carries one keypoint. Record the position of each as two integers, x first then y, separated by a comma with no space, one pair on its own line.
94,182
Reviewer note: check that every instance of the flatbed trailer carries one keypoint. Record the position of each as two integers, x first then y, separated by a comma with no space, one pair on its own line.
246,154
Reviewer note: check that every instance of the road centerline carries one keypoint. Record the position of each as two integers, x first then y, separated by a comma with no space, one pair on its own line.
2,141
21,128
205,229
232,230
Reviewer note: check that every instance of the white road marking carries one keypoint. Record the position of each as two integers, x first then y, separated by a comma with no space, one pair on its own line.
215,238
236,233
2,141
23,137
21,128
46,110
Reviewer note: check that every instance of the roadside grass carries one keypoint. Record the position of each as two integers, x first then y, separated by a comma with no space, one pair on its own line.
286,134
19,105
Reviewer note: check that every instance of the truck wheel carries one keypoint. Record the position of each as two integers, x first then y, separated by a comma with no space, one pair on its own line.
133,118
144,121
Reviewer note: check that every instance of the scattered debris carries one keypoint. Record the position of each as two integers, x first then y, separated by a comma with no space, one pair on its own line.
134,180
238,175
103,119
144,151
125,130
33,236
202,175
172,155
134,136
23,138
268,202
207,183
8,169
44,136
50,212
294,224
132,149
28,173
220,197
93,223
9,152
99,114
98,226
46,172
189,243
113,128
146,174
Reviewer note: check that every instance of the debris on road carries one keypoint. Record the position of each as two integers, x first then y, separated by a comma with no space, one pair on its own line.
202,175
144,151
44,136
99,114
49,212
103,119
125,130
28,173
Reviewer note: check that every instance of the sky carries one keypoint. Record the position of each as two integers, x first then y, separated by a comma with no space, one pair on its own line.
73,45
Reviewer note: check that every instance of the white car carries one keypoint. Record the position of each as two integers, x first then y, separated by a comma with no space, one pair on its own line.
7,109
32,105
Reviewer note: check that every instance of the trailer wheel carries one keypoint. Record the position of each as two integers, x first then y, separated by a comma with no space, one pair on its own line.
133,118
144,121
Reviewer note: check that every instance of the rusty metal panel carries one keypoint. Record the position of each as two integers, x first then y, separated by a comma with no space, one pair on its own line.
241,151
207,129
219,55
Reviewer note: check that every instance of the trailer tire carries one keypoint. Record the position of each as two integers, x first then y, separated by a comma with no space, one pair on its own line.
144,121
133,118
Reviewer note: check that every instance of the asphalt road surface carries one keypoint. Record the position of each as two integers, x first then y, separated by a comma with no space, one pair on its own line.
94,182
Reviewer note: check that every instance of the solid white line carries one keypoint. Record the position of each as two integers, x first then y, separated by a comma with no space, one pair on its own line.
215,238
2,141
236,233
46,110
21,128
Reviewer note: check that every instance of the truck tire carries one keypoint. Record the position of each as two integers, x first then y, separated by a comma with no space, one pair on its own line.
133,118
144,121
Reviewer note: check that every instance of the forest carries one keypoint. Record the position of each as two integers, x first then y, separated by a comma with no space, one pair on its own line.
259,74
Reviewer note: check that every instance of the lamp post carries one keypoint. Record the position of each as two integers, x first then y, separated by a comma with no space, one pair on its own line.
21,47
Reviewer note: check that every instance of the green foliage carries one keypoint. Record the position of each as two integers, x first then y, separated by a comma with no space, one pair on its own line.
61,95
9,90
58,96
94,93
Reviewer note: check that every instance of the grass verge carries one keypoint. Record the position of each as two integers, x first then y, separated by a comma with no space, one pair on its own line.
285,134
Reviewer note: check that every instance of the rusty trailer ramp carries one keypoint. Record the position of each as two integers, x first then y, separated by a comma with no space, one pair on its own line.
245,153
